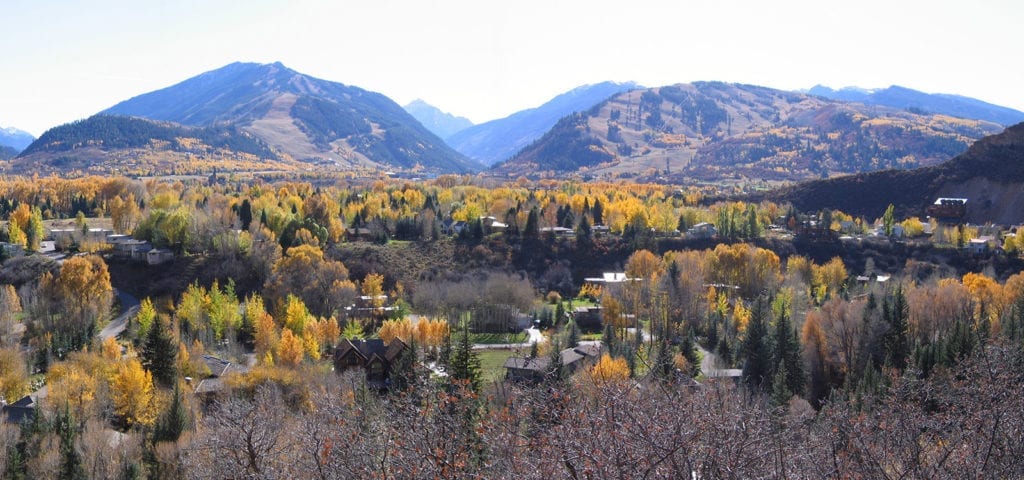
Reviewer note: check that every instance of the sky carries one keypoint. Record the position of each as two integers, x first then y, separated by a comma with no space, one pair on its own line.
65,60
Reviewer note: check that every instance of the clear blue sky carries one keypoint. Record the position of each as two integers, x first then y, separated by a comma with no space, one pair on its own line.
67,59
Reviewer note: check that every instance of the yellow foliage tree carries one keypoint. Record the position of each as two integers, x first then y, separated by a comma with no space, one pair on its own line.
296,315
131,390
266,336
290,349
609,370
13,375
110,349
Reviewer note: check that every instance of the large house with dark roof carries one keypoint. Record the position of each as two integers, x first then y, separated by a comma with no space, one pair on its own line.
533,370
373,356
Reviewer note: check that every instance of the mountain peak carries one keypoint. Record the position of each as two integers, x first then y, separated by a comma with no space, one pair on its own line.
441,123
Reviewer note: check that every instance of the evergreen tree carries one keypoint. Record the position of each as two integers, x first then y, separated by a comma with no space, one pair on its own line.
465,363
70,461
663,365
174,421
403,371
160,353
756,352
532,229
573,337
598,212
786,354
245,214
584,236
895,313
556,368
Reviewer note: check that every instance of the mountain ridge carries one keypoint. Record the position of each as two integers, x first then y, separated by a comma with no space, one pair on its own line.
943,103
442,123
303,116
496,140
708,131
15,139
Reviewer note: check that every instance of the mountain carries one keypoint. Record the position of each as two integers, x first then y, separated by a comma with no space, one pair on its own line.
902,97
497,140
135,146
711,131
14,138
443,124
990,175
304,117
7,153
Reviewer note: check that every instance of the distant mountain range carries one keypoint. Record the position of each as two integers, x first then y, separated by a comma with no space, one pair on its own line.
14,138
497,140
920,102
443,124
990,175
713,131
305,118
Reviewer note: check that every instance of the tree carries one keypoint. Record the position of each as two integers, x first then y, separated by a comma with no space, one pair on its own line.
290,349
532,229
160,353
894,313
609,370
888,219
84,291
786,351
145,316
756,352
464,365
174,421
131,390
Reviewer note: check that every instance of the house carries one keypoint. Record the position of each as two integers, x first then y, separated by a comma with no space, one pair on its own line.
702,230
131,249
157,256
558,231
373,356
948,210
18,412
219,368
533,370
980,245
355,234
588,319
63,236
492,225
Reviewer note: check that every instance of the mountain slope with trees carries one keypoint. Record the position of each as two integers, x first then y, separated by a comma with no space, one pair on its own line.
990,174
107,143
304,117
713,131
496,140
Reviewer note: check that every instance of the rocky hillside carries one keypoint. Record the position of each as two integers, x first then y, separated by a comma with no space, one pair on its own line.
306,118
990,175
713,131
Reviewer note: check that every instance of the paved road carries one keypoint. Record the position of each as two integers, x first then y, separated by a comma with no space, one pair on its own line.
129,306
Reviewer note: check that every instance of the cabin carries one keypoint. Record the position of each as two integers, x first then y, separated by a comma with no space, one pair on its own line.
948,210
373,356
533,370
209,387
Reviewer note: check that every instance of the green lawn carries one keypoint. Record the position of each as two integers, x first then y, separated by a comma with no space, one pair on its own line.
491,361
493,338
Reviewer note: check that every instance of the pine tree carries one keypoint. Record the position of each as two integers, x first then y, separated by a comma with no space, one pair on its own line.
573,338
895,312
465,363
786,354
532,229
403,370
160,353
174,421
756,354
70,461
